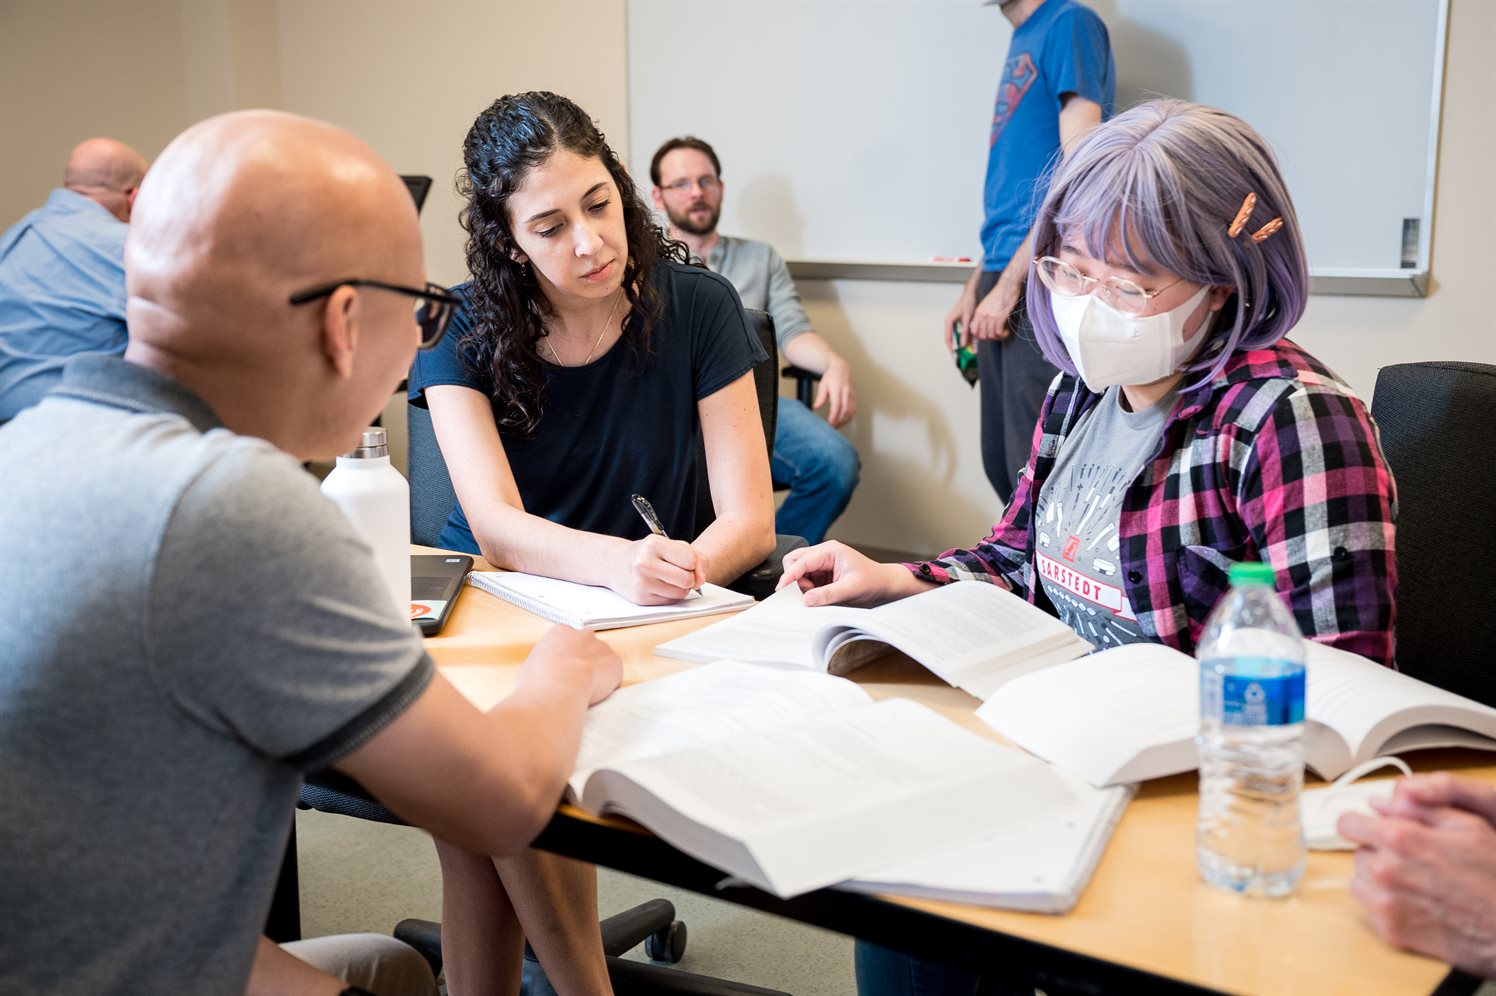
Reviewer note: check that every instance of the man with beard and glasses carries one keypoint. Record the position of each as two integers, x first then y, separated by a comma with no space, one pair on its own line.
818,463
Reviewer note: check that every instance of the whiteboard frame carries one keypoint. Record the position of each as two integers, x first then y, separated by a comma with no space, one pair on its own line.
1353,283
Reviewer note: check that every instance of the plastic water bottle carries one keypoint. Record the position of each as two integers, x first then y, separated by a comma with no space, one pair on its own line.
1249,838
376,500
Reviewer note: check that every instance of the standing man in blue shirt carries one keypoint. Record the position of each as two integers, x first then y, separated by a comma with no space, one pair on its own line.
62,273
818,463
1059,82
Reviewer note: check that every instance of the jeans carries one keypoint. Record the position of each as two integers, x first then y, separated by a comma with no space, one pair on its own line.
886,972
819,464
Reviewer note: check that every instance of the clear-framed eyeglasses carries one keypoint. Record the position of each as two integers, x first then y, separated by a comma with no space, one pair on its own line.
1065,280
706,183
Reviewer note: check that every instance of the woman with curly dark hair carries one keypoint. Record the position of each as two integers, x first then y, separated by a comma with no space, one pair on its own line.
584,359
580,367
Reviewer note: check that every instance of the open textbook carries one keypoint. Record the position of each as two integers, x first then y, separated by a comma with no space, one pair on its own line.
1130,713
585,606
971,634
1036,862
792,780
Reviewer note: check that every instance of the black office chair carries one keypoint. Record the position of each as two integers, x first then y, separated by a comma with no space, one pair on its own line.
432,497
1434,421
805,384
760,581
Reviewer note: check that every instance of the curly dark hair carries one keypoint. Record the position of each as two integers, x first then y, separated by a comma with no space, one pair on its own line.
515,134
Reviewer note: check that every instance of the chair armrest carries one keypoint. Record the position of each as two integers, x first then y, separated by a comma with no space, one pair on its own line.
760,581
805,384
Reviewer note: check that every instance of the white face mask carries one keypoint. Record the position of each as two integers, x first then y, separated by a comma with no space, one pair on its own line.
1109,347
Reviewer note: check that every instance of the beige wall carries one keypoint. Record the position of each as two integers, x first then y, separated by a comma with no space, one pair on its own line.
69,71
410,76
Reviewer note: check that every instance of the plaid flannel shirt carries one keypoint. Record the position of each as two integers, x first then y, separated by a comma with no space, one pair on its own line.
1274,460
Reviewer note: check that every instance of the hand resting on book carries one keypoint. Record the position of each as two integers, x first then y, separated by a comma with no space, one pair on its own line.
835,574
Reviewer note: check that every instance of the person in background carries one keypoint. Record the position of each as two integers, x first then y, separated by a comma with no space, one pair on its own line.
585,357
62,273
1058,83
200,627
1185,434
1426,868
819,464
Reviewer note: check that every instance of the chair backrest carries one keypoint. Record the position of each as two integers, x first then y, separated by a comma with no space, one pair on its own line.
419,187
431,495
1434,421
766,382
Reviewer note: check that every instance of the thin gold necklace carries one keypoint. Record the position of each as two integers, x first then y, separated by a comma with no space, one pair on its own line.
600,333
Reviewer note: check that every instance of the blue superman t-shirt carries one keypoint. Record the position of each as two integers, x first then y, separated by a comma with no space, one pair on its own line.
1062,48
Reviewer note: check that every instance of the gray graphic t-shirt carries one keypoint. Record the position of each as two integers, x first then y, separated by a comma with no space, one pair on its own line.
1078,512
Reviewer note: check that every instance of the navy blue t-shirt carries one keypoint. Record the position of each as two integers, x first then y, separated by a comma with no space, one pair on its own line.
1062,48
615,427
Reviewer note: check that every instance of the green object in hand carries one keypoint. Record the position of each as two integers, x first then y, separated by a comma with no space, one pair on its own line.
966,356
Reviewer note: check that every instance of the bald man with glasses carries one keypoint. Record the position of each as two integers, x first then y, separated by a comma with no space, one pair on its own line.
192,626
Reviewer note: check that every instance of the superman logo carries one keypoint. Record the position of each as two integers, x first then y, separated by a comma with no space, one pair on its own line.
1018,76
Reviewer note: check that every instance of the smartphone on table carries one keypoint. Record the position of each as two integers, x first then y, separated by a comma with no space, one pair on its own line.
436,579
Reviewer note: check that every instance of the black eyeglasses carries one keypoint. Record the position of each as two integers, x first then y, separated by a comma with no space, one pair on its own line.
434,309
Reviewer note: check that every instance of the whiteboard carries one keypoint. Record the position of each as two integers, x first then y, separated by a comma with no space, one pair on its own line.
856,130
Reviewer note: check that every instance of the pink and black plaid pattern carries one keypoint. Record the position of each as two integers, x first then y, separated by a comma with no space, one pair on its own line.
1275,460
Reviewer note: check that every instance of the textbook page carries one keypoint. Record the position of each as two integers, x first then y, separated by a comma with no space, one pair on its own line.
1374,709
1122,715
804,805
970,634
779,630
966,632
1131,713
706,704
1039,862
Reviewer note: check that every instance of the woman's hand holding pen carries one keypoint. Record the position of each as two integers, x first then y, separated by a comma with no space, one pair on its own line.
835,574
656,570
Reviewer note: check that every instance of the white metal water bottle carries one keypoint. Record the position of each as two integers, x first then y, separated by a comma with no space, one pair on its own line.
1249,838
376,500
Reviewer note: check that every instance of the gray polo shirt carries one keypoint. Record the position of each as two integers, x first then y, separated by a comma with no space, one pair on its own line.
189,626
763,282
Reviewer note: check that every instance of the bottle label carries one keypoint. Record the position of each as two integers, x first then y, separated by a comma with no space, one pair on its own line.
1262,701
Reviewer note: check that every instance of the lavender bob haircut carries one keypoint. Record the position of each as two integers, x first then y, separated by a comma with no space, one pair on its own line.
1158,186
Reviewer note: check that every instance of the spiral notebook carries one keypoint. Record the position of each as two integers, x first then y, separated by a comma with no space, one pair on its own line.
584,606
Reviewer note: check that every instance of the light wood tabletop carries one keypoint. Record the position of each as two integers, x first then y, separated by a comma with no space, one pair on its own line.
1145,909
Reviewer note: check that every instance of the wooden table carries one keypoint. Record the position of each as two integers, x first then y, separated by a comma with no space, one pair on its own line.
1145,923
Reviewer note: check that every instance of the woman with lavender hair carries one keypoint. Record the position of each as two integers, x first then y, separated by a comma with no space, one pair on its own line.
1185,432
